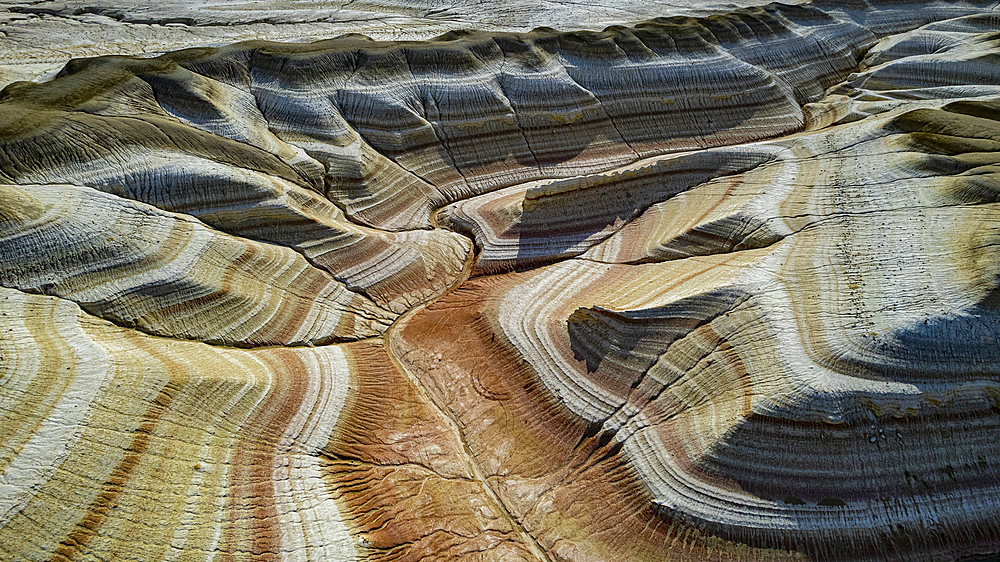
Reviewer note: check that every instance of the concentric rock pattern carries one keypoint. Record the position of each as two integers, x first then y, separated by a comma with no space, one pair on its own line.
720,288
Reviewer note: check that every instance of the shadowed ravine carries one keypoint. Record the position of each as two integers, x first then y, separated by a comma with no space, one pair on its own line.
692,288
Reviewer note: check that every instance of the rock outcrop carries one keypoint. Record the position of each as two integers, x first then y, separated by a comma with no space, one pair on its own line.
696,288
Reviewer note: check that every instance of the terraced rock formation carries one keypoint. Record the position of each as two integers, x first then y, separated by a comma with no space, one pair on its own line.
715,288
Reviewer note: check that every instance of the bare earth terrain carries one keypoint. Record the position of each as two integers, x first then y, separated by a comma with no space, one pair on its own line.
316,280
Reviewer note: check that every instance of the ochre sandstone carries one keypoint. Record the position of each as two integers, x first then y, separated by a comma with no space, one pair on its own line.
723,287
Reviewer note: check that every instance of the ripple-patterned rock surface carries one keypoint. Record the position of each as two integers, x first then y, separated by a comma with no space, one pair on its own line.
692,288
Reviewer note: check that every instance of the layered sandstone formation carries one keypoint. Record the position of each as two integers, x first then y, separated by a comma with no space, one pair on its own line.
715,288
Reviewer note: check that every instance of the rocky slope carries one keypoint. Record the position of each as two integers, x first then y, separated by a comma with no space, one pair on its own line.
697,288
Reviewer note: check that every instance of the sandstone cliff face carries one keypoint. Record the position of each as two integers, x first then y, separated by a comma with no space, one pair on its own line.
715,288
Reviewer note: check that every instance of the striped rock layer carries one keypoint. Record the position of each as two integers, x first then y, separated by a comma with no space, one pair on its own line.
721,288
159,449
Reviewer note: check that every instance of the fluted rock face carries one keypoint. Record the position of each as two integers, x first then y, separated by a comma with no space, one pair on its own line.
720,288
171,275
187,440
121,445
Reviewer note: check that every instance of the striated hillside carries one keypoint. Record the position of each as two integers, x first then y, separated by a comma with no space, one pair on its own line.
722,288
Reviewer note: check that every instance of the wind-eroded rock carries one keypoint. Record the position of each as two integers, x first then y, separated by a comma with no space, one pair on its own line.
119,444
720,288
169,274
834,392
390,131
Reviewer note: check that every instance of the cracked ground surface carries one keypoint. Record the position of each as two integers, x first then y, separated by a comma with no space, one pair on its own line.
695,288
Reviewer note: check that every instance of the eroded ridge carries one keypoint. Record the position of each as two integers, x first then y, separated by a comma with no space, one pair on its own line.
716,288
829,389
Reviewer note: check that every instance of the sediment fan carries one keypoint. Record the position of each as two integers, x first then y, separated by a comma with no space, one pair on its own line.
721,288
